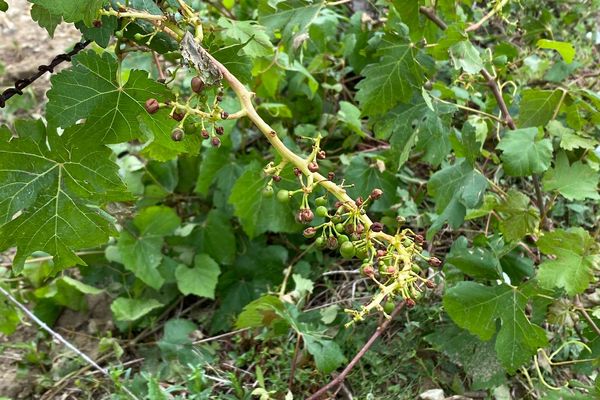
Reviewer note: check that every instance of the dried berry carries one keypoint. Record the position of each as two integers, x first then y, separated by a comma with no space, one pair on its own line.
309,232
177,135
177,116
313,167
219,99
205,134
219,130
197,84
297,171
277,178
381,253
224,115
377,227
305,215
332,243
330,176
419,239
435,262
429,284
410,303
216,142
97,23
321,154
359,201
359,228
376,194
152,106
367,270
391,269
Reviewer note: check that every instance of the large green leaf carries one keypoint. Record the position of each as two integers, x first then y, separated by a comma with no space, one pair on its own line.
93,89
576,256
465,56
365,177
201,279
454,189
51,191
565,49
477,308
125,309
45,19
217,237
391,80
141,246
538,107
575,182
523,154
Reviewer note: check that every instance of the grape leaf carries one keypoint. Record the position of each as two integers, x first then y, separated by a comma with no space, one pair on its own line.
454,189
51,191
125,309
162,148
476,307
475,261
45,19
392,79
366,177
258,43
576,255
575,182
291,18
327,353
538,106
523,154
415,125
569,140
100,34
256,212
217,238
141,245
9,319
72,11
565,49
201,279
519,218
93,89
465,56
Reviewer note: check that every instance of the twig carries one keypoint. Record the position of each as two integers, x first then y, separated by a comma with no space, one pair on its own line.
294,361
161,73
477,25
429,13
61,339
340,378
585,314
42,69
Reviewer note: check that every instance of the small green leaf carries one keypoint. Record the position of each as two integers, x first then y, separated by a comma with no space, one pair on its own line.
392,80
569,139
102,34
260,312
45,19
72,11
328,355
465,56
125,309
523,154
576,256
565,49
201,279
454,189
575,182
9,319
258,43
141,251
476,261
477,308
349,114
256,212
519,217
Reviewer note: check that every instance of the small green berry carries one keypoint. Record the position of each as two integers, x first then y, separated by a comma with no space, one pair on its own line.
268,191
283,196
320,242
321,211
343,239
388,307
138,36
321,201
347,250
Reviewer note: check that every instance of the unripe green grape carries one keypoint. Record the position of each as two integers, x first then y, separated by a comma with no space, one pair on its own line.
138,37
321,201
362,252
343,239
268,191
283,196
320,242
347,250
388,307
321,211
119,34
339,227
